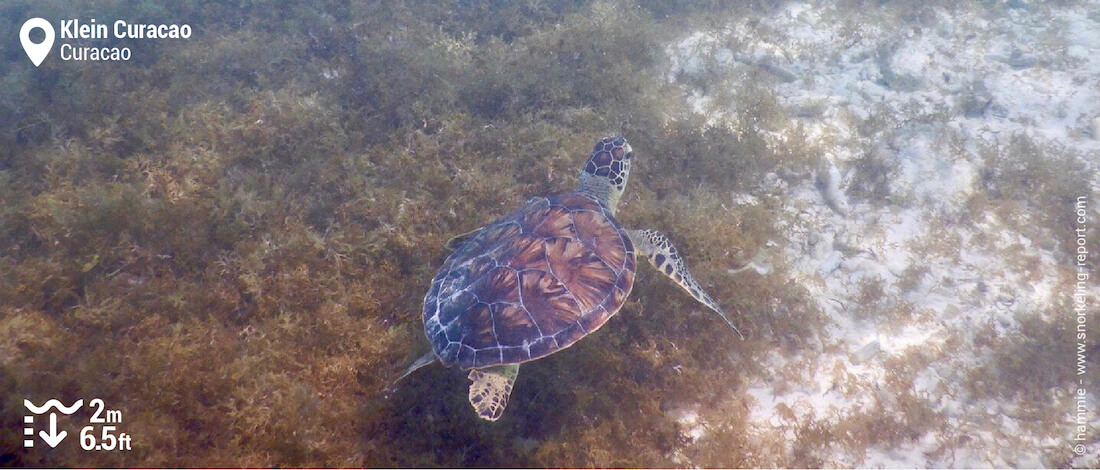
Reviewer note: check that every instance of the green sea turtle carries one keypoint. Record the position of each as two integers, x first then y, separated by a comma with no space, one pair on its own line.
540,278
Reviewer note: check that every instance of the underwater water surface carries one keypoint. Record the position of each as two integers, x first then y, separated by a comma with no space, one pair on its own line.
228,237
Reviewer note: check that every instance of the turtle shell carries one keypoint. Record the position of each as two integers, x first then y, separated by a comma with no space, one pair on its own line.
529,284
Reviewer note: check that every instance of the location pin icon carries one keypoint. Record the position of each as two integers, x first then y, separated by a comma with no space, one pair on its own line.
37,52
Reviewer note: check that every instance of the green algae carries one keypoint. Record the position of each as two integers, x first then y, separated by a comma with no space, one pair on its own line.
232,248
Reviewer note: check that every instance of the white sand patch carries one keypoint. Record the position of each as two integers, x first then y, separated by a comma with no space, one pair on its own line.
946,279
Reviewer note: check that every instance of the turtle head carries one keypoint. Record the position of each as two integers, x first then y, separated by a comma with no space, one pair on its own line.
605,173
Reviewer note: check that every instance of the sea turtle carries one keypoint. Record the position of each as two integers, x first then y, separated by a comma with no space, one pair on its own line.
540,278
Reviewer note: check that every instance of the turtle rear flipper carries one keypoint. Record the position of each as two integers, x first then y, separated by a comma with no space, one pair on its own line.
656,247
491,388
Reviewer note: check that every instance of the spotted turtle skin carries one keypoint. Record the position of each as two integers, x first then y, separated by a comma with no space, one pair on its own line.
530,284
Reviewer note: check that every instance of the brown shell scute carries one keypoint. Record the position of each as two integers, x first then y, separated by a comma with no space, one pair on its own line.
529,284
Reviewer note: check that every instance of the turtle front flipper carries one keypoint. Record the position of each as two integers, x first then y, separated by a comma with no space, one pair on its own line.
664,257
491,388
424,360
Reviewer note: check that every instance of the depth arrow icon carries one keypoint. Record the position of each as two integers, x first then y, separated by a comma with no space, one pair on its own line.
53,438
